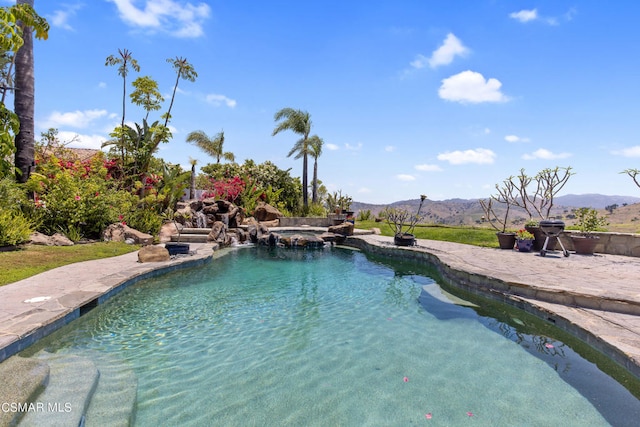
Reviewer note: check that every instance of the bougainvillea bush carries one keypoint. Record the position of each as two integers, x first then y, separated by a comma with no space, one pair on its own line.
77,198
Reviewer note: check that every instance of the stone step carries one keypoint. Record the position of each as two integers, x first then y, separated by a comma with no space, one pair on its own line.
114,401
72,382
190,238
204,231
21,381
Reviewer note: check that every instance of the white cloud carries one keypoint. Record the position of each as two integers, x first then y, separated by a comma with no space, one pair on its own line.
444,55
364,190
177,18
420,62
525,15
479,156
77,119
515,138
545,154
471,87
76,140
353,147
218,100
628,152
102,85
405,177
389,148
60,17
428,168
331,147
450,48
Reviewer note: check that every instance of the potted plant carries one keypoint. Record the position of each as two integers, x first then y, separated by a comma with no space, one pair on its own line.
588,222
398,219
524,240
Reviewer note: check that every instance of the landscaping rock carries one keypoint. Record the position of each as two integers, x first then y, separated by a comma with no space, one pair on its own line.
55,240
153,254
166,231
345,229
265,212
61,240
38,238
138,237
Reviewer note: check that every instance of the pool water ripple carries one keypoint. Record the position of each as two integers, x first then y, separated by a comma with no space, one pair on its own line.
261,338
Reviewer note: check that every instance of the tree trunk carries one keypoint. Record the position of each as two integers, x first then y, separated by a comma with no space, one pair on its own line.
305,183
192,187
314,191
24,104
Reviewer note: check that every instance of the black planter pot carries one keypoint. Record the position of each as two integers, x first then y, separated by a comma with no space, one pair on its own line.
404,239
177,248
506,240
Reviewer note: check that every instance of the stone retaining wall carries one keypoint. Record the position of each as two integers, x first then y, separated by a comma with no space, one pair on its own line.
610,243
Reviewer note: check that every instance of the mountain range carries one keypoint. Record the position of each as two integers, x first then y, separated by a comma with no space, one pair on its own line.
470,212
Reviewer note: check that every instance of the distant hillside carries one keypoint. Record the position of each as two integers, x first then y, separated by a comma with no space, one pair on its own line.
469,212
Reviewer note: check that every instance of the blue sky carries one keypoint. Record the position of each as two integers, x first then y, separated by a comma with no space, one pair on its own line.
444,98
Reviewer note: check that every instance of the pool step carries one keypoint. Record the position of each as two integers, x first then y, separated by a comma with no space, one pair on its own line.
113,403
21,380
72,382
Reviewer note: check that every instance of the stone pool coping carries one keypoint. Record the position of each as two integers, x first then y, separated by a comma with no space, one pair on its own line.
595,298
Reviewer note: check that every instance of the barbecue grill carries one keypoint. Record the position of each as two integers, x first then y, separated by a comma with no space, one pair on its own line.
552,228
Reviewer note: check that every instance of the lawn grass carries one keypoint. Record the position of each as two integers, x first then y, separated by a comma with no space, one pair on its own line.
31,259
458,234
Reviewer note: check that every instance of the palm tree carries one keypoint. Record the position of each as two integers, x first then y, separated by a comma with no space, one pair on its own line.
212,146
183,70
124,60
24,99
299,122
315,145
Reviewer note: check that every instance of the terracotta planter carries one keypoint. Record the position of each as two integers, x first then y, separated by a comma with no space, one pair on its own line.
585,245
524,245
506,240
404,239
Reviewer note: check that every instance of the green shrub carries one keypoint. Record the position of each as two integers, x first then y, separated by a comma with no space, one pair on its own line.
15,228
78,198
144,220
364,215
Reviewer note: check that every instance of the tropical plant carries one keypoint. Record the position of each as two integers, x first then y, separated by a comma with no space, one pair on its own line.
634,174
16,36
539,200
299,122
589,221
147,94
315,145
337,202
192,182
505,196
15,223
212,146
399,218
364,215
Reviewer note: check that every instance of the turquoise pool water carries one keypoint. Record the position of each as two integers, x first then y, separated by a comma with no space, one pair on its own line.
330,338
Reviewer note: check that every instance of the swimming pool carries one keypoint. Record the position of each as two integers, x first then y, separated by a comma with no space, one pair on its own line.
332,337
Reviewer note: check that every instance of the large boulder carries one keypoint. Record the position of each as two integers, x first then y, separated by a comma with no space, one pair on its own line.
56,240
217,233
153,254
61,240
167,230
265,212
119,232
344,229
